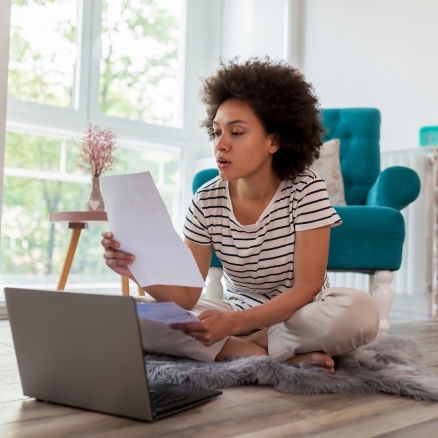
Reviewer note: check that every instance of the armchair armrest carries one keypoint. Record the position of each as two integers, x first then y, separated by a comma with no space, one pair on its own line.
396,187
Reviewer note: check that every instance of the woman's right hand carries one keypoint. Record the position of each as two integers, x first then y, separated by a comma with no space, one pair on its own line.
117,260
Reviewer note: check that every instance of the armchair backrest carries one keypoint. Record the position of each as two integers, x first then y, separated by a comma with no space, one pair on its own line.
359,132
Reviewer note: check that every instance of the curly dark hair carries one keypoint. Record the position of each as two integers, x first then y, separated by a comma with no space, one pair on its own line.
283,101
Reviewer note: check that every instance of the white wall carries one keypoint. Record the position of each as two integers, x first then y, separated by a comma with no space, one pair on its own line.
252,28
375,53
249,28
203,37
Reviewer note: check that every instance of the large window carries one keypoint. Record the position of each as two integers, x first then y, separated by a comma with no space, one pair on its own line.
60,78
139,66
43,51
41,176
119,58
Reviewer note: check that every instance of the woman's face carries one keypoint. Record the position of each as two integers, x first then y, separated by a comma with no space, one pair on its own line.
241,146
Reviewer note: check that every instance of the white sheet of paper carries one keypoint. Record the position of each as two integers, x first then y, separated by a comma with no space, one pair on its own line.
139,220
169,313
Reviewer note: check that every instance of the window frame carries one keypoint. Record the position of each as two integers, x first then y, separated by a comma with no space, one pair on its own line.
85,99
64,175
200,57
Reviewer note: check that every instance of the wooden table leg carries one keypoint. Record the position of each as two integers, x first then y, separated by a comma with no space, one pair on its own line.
72,244
140,291
125,285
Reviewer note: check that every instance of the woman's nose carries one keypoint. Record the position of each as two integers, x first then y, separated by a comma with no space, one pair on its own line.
222,143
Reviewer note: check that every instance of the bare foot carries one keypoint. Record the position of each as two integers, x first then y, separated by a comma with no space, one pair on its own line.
315,359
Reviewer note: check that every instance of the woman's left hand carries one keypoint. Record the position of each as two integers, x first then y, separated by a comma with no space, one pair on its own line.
213,327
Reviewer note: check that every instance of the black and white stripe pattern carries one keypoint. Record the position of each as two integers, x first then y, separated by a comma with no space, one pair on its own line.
258,259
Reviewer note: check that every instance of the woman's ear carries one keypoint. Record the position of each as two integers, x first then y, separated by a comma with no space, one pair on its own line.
275,143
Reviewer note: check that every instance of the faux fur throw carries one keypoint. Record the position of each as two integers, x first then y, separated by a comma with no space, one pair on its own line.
388,364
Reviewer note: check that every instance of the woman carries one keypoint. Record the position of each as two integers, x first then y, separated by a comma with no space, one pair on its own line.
268,218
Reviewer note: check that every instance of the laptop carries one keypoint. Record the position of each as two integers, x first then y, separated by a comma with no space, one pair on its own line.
85,351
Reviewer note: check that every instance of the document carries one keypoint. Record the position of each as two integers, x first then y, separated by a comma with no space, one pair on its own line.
139,220
169,313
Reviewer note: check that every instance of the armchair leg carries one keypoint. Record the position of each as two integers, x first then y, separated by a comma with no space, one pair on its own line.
214,287
381,289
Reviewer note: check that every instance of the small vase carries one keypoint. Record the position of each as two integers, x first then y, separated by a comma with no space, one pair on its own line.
95,199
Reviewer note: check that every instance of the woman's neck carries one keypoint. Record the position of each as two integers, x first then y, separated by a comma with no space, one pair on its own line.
254,189
250,197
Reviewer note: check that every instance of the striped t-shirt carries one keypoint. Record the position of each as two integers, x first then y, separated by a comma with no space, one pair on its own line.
258,259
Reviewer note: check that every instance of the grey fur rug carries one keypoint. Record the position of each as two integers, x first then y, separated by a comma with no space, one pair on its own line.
389,364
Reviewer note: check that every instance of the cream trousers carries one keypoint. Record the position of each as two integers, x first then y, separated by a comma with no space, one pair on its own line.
337,321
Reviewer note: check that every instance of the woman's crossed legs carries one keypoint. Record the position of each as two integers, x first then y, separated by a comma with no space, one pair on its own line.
337,321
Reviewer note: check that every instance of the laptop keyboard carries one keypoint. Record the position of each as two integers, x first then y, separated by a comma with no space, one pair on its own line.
160,399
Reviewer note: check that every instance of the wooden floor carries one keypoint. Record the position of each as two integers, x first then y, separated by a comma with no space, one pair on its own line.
240,412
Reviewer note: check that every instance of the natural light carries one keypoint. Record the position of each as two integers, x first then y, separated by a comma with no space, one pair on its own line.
139,67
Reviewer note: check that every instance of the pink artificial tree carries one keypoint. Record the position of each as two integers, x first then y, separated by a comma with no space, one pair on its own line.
97,148
96,156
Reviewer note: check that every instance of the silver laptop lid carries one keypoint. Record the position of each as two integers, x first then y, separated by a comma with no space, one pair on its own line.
101,366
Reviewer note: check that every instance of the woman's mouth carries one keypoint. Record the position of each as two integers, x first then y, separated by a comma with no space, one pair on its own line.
222,163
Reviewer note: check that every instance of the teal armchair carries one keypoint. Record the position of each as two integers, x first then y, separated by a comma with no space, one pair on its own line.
370,240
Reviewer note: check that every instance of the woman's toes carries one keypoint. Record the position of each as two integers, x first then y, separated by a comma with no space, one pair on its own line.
328,362
315,359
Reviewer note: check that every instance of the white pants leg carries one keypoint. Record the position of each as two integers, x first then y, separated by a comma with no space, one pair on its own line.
158,338
337,321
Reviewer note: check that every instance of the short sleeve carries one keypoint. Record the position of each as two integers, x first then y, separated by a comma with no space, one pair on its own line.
313,208
195,226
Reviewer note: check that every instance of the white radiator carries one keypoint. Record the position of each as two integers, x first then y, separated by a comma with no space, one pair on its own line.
412,284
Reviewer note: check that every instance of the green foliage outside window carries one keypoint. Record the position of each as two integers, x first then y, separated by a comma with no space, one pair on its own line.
30,245
138,65
42,55
41,175
139,61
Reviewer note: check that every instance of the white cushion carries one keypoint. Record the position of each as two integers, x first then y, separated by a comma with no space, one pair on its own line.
329,167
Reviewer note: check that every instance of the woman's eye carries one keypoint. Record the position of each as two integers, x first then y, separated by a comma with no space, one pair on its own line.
216,133
237,133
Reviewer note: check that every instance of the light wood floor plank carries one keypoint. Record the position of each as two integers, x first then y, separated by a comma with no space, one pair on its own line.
248,418
426,429
78,424
24,410
8,361
11,392
9,343
248,411
5,335
358,422
8,377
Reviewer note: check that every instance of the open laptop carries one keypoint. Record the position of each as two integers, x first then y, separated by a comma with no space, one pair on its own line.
84,350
